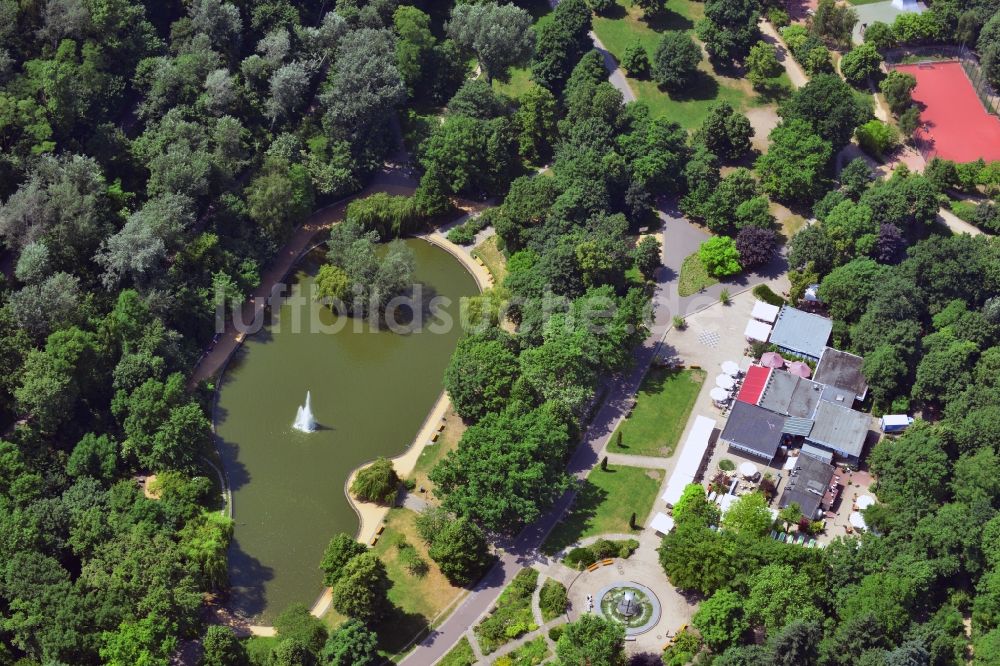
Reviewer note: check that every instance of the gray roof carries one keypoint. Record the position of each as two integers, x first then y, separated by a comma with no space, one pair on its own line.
790,395
754,428
840,428
839,368
807,483
795,425
816,452
801,332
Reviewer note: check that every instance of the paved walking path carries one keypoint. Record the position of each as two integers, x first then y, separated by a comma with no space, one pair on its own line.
795,72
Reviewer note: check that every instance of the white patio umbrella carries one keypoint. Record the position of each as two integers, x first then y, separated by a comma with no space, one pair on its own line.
864,501
857,520
719,394
731,368
725,382
748,469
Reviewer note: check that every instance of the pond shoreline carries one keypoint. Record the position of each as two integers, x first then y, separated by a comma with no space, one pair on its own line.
369,516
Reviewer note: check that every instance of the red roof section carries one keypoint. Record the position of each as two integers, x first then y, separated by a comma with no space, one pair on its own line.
753,384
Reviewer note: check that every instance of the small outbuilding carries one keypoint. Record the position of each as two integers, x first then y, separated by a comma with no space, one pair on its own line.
843,370
810,485
840,430
801,333
753,430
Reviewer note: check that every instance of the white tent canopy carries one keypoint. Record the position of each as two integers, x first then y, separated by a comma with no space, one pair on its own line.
725,382
765,311
719,394
857,520
757,330
690,458
864,501
662,523
731,368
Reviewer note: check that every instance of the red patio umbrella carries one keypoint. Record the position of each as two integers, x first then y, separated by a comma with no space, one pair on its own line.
772,360
801,369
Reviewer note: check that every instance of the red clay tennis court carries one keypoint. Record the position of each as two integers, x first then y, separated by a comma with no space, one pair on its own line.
956,126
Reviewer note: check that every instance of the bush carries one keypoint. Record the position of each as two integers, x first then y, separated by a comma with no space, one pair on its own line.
724,297
600,6
877,137
680,323
778,17
377,483
463,234
720,256
879,35
552,599
987,218
579,558
635,60
764,293
557,631
583,557
727,465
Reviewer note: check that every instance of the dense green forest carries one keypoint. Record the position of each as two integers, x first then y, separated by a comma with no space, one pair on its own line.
155,156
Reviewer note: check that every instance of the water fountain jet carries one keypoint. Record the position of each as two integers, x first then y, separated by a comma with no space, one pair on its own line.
304,420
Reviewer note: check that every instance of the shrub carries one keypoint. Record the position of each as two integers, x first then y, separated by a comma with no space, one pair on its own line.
583,557
724,297
778,17
635,60
376,483
727,465
756,246
987,218
600,6
680,323
877,137
557,631
720,256
552,599
463,234
579,558
764,293
879,35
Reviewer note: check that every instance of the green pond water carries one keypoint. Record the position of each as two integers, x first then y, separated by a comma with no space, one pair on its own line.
371,391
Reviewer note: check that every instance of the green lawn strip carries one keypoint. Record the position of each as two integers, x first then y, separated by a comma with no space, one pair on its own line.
663,404
417,600
531,653
693,277
512,616
605,503
491,255
517,83
259,648
460,655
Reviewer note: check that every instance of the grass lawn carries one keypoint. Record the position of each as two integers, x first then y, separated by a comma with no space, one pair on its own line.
789,222
531,653
605,504
621,28
460,655
518,82
433,453
663,404
512,616
496,262
693,277
417,599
